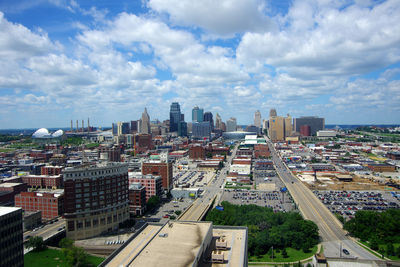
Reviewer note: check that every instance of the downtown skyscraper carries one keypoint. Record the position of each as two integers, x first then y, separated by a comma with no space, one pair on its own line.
175,116
197,114
145,125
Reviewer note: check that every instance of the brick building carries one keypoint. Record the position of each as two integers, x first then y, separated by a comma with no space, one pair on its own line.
261,151
197,152
143,143
110,153
51,170
381,167
9,190
43,181
137,198
50,204
96,199
394,155
153,184
163,169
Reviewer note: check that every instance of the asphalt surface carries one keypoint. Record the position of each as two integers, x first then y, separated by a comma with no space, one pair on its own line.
330,229
45,231
214,190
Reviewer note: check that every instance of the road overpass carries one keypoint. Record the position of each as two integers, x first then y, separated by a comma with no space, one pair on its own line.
334,238
48,232
212,193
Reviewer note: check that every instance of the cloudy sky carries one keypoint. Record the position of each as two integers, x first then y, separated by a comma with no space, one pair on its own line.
107,60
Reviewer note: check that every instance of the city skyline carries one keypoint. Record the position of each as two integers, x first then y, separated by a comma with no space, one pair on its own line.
67,59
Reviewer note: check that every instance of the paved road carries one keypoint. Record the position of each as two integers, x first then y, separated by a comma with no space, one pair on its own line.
45,232
214,189
330,229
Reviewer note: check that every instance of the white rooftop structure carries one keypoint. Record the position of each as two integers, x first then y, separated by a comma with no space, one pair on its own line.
6,210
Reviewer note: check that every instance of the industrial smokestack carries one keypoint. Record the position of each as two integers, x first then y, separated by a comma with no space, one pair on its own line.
88,125
71,127
83,125
77,126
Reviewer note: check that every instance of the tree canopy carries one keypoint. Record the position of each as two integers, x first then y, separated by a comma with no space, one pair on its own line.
266,228
375,227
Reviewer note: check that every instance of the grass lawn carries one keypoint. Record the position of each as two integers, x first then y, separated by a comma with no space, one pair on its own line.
293,255
52,257
92,145
6,149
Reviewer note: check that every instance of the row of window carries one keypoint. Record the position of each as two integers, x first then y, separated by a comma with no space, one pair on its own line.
92,173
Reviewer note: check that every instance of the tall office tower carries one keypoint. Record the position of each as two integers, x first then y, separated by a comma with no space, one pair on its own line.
257,119
174,117
272,113
208,116
115,129
134,127
11,237
119,128
201,130
125,128
276,128
145,125
197,114
231,125
315,123
182,128
223,126
265,125
96,199
218,121
288,126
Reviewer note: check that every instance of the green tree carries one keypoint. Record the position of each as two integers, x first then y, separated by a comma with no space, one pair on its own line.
153,202
35,242
284,253
220,165
390,249
74,256
374,243
178,212
209,155
66,243
398,251
172,217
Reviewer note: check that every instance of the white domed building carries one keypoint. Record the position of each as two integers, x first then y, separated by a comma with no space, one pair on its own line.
44,136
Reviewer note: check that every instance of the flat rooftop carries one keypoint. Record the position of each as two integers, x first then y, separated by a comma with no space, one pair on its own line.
236,242
6,210
174,244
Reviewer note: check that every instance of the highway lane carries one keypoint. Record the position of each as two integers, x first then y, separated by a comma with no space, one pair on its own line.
47,231
330,229
212,191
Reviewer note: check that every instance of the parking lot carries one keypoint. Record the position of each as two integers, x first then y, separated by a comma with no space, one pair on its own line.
193,178
276,200
346,203
167,209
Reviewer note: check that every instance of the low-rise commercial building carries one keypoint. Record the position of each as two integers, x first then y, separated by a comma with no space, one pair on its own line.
377,167
137,198
182,244
43,181
152,183
160,168
50,204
